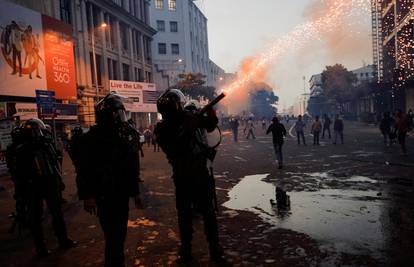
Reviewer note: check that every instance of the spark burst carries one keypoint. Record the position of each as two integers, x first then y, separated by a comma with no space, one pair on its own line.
336,12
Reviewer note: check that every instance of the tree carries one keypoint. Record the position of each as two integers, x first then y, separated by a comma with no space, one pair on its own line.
193,85
262,101
338,83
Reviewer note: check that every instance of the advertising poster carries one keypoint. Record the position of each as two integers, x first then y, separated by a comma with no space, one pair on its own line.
25,111
22,65
59,60
142,96
36,53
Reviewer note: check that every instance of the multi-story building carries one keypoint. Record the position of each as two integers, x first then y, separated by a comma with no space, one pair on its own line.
365,74
393,48
319,105
121,42
300,105
216,75
315,85
181,43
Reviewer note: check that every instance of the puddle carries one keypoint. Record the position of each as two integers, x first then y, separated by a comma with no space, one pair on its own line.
343,218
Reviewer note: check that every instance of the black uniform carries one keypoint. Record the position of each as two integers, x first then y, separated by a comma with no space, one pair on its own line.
21,206
182,139
279,132
75,149
38,179
109,173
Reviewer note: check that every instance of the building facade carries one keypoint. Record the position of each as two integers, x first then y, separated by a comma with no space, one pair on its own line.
181,42
121,42
365,74
393,49
315,84
300,105
216,75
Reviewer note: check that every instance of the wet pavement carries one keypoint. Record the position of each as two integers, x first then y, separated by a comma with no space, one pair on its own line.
344,205
351,199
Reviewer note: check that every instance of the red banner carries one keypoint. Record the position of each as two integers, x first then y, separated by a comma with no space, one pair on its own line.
59,60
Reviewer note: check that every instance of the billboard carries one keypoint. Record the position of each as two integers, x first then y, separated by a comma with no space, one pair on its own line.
25,111
142,96
36,53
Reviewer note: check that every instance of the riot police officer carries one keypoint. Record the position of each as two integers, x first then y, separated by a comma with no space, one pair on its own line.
38,179
180,135
108,174
74,145
20,214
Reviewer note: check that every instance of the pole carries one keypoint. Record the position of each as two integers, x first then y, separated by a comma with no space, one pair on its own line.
54,126
304,84
95,72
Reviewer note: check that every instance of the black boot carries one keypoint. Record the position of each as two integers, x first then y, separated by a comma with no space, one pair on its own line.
216,253
67,243
42,251
184,254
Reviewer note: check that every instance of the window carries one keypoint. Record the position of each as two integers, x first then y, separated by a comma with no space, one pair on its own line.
65,11
112,69
136,42
123,30
159,4
162,48
98,69
148,76
172,5
161,25
175,49
173,26
140,76
125,72
132,7
136,74
93,18
118,2
147,49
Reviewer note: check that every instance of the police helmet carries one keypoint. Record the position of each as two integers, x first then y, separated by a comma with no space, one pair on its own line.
192,105
34,128
16,134
77,131
111,109
171,103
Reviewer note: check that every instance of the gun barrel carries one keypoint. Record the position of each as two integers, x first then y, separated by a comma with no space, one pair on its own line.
212,103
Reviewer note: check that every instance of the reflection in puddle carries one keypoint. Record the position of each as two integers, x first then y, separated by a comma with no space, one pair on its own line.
239,158
360,179
334,216
318,174
337,156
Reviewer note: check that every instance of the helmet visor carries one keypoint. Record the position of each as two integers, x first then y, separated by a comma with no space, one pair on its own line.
121,115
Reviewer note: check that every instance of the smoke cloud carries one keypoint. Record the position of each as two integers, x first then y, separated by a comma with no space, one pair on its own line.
332,27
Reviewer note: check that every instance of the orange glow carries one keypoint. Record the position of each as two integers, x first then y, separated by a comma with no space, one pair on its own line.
325,19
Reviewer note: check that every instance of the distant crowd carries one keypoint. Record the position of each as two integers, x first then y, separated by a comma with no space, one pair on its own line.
394,128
